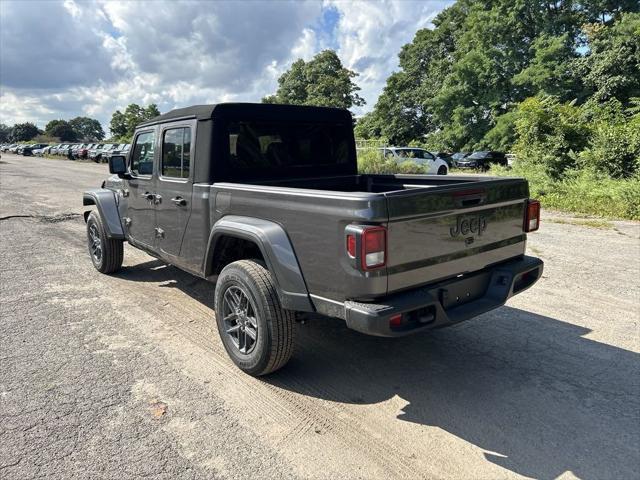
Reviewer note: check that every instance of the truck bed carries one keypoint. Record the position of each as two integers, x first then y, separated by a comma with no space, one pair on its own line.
375,183
422,214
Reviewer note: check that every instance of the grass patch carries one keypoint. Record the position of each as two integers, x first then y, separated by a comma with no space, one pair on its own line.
592,223
581,192
371,161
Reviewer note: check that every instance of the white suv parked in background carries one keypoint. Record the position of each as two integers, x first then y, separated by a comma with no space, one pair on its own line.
432,164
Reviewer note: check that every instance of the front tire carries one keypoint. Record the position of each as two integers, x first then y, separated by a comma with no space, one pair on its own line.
106,253
257,333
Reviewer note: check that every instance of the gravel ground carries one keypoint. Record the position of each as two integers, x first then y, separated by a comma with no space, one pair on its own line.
124,376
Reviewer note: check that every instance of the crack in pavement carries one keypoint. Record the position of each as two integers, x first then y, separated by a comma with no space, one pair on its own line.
62,217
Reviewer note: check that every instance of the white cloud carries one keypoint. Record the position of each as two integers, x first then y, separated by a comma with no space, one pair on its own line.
67,58
47,45
370,35
307,45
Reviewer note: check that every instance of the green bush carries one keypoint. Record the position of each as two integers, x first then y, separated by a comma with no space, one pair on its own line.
373,162
614,147
582,191
550,134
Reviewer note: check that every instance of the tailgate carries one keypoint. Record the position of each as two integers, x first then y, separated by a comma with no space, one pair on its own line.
436,233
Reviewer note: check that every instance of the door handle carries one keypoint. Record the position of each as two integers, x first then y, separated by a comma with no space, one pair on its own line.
181,202
147,195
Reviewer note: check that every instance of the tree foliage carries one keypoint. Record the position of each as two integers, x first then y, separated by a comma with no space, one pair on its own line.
322,81
483,58
5,133
61,129
22,132
87,128
79,128
122,125
611,69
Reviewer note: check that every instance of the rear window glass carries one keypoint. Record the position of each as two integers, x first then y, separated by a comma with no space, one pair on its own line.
176,152
263,147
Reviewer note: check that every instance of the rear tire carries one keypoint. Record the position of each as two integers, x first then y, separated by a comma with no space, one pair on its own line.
106,253
257,333
442,170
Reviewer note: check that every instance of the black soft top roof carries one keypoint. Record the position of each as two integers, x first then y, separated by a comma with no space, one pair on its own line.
254,111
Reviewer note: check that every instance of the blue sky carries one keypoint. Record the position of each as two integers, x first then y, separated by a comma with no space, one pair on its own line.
60,59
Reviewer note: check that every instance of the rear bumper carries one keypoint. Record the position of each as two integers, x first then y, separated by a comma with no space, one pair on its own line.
445,303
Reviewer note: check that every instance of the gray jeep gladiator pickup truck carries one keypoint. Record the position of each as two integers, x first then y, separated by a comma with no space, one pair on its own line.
266,201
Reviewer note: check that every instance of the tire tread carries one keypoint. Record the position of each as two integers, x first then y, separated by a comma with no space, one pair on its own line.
282,321
112,250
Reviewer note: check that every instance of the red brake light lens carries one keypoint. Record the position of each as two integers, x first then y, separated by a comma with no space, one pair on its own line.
374,247
395,320
351,245
532,216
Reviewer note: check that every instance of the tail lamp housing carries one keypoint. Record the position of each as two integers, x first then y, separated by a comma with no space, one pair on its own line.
366,246
532,216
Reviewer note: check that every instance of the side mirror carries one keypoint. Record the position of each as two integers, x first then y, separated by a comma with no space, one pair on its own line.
118,165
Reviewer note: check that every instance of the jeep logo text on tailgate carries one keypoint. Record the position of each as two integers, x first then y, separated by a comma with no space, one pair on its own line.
467,225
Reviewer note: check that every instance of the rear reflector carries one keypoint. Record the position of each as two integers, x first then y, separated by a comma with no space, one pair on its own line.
395,320
374,247
351,245
532,216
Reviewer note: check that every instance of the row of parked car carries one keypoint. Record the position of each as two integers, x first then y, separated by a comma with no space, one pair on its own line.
98,152
440,162
481,160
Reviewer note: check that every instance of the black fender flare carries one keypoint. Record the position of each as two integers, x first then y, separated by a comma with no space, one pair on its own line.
278,253
107,204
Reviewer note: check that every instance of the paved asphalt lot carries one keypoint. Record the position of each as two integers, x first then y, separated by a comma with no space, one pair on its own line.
124,376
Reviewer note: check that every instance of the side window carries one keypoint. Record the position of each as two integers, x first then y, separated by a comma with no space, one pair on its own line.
176,152
142,157
417,153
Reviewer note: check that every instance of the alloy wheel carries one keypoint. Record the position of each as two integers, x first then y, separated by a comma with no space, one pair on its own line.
239,318
95,244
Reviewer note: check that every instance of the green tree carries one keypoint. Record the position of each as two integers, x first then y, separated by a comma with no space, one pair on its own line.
322,81
367,127
611,68
87,128
503,135
61,129
5,132
551,69
22,132
483,58
53,124
118,124
122,125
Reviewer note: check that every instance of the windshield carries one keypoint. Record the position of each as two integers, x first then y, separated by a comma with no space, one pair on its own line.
262,149
478,155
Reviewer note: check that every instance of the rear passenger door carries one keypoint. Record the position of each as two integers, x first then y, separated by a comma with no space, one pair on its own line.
174,185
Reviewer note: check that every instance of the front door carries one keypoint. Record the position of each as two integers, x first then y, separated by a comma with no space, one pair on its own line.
140,216
175,180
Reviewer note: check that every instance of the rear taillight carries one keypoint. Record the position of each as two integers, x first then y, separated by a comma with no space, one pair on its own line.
532,216
366,246
374,247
